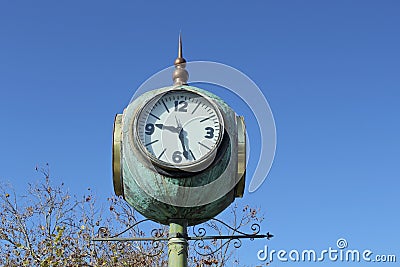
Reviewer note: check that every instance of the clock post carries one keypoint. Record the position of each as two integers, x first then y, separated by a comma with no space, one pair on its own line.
177,243
179,159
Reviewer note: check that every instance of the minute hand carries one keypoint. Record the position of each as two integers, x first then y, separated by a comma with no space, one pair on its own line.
182,139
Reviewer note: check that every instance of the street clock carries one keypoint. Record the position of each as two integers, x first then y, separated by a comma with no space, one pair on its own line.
179,152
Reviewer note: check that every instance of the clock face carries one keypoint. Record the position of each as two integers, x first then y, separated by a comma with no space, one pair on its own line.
179,129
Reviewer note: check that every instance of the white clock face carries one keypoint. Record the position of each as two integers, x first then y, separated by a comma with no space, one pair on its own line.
180,128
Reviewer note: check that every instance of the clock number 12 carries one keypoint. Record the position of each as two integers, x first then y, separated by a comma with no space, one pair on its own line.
181,106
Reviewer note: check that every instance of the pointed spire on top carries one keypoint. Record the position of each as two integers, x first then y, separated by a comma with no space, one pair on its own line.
180,45
180,59
180,75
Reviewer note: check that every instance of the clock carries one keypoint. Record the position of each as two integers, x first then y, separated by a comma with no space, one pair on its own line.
179,152
180,129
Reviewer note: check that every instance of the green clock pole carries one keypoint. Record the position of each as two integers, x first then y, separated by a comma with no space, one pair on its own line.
177,244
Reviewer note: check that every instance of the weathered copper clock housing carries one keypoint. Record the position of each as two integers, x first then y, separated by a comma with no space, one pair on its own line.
164,195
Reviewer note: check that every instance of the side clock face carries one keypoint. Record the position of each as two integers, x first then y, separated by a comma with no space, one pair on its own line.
180,129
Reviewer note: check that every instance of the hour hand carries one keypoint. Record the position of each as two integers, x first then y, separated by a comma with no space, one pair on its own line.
168,128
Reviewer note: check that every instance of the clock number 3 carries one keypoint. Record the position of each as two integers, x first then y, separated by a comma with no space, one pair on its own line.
181,106
209,132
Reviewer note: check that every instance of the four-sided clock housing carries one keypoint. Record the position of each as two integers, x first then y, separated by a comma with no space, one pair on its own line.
179,153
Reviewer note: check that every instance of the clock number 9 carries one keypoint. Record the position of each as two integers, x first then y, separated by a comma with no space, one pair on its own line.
209,133
149,128
183,107
177,157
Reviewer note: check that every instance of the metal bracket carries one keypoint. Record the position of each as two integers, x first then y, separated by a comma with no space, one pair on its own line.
199,237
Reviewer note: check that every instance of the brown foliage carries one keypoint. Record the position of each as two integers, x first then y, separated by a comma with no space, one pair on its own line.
49,227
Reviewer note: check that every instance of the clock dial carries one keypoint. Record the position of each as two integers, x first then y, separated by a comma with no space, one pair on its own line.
179,128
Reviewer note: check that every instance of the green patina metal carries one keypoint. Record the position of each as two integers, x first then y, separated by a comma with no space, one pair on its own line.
177,243
152,193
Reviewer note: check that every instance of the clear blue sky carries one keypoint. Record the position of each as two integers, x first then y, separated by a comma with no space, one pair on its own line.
329,69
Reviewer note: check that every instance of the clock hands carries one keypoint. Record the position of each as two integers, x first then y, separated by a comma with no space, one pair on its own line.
182,134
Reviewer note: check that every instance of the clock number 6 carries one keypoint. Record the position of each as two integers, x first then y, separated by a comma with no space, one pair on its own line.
183,106
209,133
177,157
149,128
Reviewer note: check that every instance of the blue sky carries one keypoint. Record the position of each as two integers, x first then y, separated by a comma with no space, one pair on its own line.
329,69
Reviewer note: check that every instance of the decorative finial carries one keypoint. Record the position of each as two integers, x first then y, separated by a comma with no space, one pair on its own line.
180,75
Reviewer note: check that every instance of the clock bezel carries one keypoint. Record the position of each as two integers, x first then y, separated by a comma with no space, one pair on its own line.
195,166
